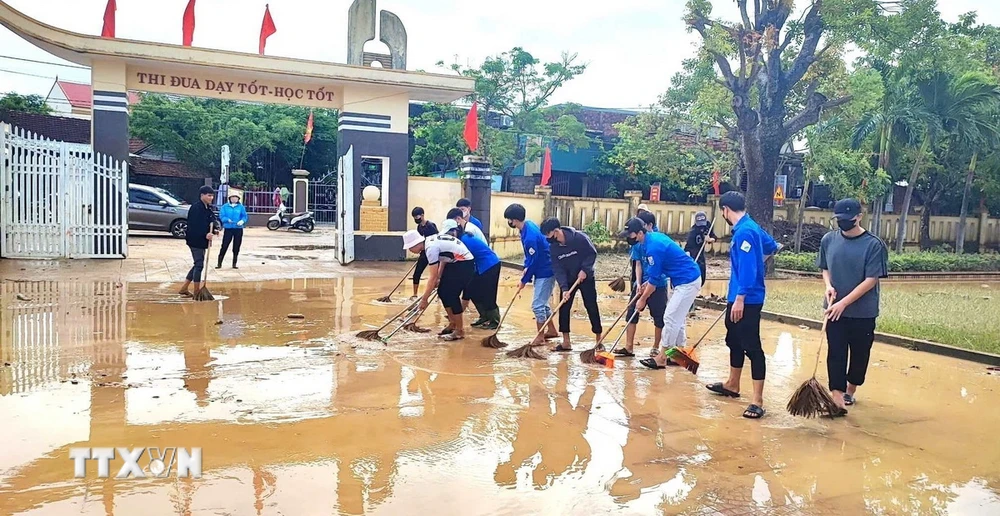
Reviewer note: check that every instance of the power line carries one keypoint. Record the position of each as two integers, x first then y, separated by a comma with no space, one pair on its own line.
26,60
15,72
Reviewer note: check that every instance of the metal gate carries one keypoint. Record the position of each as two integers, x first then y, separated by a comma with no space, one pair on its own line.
323,202
60,200
345,207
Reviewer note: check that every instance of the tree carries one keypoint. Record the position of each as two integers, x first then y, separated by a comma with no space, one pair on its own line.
764,78
24,104
439,141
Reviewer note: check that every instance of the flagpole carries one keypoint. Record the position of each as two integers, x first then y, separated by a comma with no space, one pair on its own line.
303,157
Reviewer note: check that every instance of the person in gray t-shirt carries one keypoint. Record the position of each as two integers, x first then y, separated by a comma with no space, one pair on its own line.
852,261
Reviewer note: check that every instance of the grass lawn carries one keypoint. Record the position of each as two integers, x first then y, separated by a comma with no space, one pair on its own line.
965,315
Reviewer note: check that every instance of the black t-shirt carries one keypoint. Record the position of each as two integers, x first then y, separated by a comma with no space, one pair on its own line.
695,240
428,229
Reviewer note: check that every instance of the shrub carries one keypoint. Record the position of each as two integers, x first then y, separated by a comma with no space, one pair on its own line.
598,233
906,262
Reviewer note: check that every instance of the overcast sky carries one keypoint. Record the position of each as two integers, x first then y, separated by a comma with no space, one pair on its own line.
632,47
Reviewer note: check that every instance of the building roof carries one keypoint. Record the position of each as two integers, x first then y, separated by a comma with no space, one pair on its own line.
69,130
153,167
136,146
78,94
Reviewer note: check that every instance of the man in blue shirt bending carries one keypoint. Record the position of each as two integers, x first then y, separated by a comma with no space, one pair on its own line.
537,267
747,251
657,302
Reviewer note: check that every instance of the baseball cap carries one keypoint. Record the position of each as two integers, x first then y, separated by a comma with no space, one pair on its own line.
634,225
448,225
412,238
846,209
700,219
644,207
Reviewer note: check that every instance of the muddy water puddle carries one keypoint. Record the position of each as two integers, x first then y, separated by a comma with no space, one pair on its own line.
298,416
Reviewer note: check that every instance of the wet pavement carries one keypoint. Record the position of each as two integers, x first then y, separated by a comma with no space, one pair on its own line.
301,417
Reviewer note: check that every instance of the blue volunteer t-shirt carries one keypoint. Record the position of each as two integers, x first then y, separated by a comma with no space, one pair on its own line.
485,257
537,262
747,249
639,254
665,259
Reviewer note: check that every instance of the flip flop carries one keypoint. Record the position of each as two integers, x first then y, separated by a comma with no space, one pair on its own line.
754,412
446,331
838,412
721,390
650,363
624,353
848,399
560,349
451,337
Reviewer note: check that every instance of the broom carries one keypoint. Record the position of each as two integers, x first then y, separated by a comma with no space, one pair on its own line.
811,398
373,334
413,325
618,284
388,298
685,357
409,321
203,293
528,350
590,356
492,341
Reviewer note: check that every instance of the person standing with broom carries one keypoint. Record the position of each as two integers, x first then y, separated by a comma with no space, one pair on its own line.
852,261
745,300
537,268
573,258
426,228
201,230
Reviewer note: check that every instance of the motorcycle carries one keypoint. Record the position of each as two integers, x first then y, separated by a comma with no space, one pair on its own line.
301,221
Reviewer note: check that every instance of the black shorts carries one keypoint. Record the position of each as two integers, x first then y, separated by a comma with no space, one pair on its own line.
656,304
454,280
483,288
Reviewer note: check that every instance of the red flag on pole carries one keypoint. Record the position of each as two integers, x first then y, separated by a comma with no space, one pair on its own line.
188,26
309,128
547,167
471,133
715,181
266,28
109,20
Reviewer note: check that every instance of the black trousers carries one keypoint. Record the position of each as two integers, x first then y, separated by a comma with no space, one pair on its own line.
588,291
418,271
231,236
704,271
657,305
743,340
482,290
455,278
198,257
850,348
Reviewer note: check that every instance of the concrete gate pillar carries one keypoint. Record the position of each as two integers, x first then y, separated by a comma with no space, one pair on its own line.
109,129
477,186
300,190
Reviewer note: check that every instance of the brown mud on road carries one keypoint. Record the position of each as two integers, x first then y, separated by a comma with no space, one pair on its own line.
297,416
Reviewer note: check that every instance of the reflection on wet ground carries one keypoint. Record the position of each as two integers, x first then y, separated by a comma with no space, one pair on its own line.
300,417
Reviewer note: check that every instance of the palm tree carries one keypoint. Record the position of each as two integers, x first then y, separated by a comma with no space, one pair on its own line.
979,133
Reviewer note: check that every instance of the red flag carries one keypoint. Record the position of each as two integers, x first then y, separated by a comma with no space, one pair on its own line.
109,20
309,128
547,167
188,26
715,181
471,133
266,28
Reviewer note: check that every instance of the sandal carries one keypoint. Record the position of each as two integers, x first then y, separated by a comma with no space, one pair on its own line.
650,363
721,390
451,337
848,399
185,294
624,353
838,412
560,349
446,331
754,412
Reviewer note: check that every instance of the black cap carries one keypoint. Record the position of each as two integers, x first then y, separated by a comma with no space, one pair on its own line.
206,190
634,225
846,209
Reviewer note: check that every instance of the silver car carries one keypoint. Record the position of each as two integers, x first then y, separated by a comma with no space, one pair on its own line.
155,209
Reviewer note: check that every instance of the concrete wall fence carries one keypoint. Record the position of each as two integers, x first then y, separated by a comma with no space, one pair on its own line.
438,195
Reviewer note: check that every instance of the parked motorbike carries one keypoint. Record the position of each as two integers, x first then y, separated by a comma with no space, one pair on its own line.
301,221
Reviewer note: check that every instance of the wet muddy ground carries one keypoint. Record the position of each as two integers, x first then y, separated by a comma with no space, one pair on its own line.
301,417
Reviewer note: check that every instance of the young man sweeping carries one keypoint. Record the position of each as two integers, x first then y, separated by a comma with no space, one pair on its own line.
665,259
466,206
573,258
482,290
745,300
234,218
657,302
426,228
452,267
537,268
700,234
201,230
852,261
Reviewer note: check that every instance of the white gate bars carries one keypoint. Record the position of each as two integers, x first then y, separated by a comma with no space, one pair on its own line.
60,200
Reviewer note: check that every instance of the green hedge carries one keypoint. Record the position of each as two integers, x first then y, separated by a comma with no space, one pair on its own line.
906,262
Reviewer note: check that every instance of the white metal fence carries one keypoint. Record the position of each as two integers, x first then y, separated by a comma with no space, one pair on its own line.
60,200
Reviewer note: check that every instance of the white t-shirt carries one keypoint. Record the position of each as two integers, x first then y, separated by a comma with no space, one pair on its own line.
447,249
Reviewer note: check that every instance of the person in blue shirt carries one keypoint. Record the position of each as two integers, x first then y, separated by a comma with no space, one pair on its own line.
482,290
644,208
466,206
657,301
665,260
234,218
537,267
747,251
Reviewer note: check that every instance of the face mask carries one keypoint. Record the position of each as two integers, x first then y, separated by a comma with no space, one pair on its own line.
418,220
553,240
465,212
847,225
631,240
727,218
511,224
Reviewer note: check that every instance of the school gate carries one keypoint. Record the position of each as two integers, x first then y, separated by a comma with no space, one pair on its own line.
51,194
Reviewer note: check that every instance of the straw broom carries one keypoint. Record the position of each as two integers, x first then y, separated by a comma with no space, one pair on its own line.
528,350
413,325
812,398
618,284
388,298
203,294
590,356
373,334
409,322
492,341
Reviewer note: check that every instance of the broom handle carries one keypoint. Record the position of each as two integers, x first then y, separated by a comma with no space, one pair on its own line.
502,319
400,314
407,275
554,312
822,337
619,339
705,241
632,301
412,317
208,256
717,319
